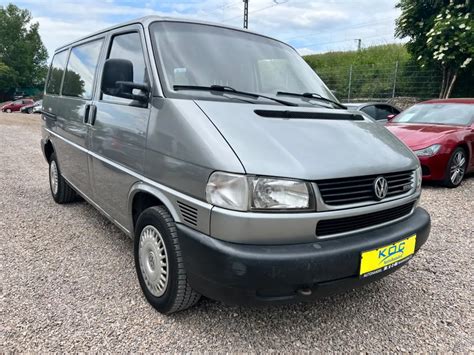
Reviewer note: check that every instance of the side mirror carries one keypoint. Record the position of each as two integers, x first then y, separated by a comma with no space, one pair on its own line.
117,80
390,117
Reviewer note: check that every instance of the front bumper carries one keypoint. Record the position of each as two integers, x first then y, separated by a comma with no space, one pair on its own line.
252,274
434,167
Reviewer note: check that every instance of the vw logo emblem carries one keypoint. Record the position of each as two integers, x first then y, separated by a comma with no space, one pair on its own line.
380,188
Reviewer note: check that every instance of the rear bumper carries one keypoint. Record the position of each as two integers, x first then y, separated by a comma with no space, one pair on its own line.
252,274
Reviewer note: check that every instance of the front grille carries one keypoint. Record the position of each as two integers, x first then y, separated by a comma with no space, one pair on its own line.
353,223
360,189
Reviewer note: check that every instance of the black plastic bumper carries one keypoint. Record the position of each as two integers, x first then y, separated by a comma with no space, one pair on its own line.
249,274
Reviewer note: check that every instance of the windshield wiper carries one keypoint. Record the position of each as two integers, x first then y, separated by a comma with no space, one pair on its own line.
311,95
230,90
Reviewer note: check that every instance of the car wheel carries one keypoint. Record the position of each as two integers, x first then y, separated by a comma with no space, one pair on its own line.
60,189
159,262
456,168
30,110
8,110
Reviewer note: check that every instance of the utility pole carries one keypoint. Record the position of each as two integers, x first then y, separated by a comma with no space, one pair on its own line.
359,42
246,14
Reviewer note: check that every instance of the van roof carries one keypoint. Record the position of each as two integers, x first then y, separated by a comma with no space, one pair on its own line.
147,20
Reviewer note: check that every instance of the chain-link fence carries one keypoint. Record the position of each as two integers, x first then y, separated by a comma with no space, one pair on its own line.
381,81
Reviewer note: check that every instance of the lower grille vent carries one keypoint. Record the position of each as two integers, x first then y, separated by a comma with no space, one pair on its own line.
353,223
189,214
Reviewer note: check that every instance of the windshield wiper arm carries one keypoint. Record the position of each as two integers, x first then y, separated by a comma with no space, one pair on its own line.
311,95
231,90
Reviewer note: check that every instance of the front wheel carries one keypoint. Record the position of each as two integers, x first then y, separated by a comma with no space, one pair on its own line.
8,110
456,168
159,262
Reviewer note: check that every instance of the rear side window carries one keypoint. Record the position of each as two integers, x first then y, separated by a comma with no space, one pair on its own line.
128,46
383,111
370,110
81,68
56,73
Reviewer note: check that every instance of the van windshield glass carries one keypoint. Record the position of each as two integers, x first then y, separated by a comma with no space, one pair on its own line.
204,55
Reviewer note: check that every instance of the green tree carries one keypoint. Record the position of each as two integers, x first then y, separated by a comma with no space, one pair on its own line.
440,35
8,79
21,48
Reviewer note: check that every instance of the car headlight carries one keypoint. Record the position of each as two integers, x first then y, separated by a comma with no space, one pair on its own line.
418,178
244,193
429,151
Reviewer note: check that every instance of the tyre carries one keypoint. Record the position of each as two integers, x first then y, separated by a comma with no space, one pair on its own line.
456,168
159,262
60,190
30,110
8,110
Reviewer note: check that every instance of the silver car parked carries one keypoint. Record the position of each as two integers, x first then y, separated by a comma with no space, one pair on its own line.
237,173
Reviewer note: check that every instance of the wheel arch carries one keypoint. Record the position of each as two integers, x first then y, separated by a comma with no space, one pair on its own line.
48,150
141,197
465,146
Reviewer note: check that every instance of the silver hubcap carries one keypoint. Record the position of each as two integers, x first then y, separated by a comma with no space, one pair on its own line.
53,177
457,168
153,260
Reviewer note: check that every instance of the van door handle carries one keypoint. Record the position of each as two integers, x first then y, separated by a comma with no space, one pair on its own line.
92,114
49,115
86,113
89,114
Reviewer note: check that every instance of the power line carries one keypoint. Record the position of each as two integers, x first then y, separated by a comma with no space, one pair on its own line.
338,29
221,8
260,9
345,40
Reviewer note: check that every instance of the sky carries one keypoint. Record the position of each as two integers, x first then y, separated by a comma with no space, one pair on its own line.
311,26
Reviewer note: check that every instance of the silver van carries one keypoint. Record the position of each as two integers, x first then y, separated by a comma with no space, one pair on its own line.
237,173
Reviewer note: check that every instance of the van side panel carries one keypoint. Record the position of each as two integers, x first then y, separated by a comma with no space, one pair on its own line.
184,147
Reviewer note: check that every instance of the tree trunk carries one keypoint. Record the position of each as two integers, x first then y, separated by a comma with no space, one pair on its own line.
451,84
443,83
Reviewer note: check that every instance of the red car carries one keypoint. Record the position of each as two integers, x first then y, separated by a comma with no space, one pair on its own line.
16,105
441,133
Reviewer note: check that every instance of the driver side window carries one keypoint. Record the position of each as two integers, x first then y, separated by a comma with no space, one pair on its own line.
128,46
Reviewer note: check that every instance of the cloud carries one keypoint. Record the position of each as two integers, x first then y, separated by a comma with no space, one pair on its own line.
310,25
305,51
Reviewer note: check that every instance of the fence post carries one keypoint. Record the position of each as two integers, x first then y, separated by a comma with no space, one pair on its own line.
395,79
350,84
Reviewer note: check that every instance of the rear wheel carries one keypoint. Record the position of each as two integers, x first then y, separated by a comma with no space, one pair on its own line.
456,168
159,262
30,110
60,190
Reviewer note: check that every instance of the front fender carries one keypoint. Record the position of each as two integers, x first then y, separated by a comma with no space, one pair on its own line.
172,200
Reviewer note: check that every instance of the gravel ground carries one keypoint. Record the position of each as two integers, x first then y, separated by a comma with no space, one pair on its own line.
69,284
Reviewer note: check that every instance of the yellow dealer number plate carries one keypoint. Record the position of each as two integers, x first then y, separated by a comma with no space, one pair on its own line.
374,261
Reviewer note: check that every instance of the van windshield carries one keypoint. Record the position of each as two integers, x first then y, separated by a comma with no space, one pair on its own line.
204,55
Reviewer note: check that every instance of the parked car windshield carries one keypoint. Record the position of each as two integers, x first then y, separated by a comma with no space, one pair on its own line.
446,114
205,55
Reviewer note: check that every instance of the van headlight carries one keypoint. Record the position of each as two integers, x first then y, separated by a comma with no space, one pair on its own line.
244,193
